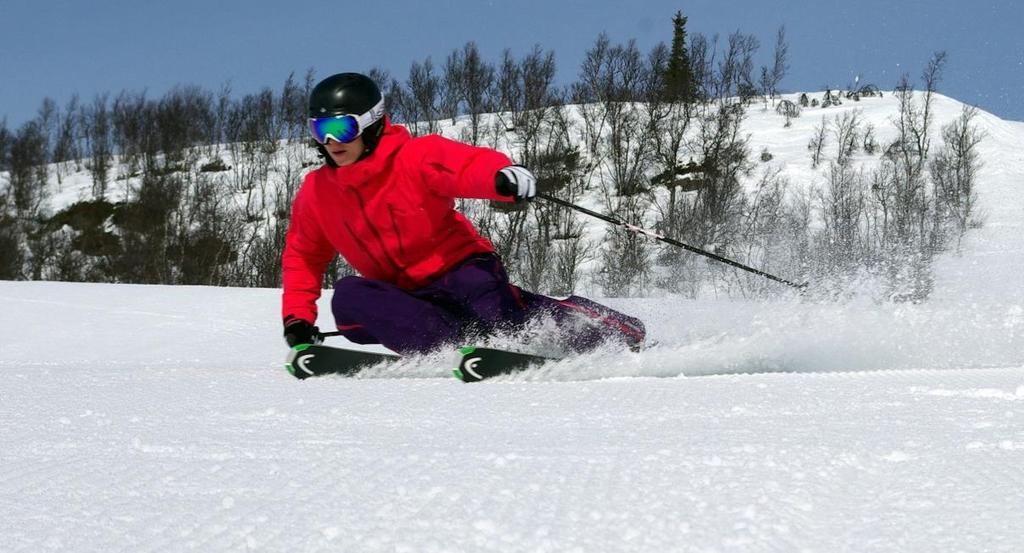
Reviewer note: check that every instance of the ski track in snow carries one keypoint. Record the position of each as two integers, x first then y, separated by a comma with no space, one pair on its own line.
153,418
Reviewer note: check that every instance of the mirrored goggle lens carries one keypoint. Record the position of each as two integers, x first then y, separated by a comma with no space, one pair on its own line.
343,128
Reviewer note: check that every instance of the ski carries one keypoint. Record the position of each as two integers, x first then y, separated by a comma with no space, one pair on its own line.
306,360
476,364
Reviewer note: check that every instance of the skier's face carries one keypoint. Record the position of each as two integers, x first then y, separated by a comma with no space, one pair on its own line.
345,154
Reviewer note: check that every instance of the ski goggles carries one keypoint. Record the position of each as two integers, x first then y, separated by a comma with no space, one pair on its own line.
346,127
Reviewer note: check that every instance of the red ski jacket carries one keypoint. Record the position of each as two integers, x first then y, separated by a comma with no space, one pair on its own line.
391,215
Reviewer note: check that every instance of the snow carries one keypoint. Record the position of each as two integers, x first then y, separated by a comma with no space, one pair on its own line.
156,418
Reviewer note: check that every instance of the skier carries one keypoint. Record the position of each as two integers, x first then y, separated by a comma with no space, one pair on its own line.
386,202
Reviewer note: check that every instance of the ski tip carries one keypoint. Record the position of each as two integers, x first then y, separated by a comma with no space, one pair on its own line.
460,360
466,365
292,355
462,352
291,370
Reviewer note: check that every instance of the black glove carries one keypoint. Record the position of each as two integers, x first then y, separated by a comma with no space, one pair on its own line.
516,180
297,331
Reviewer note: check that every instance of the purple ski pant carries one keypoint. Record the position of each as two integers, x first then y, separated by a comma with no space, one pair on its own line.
475,298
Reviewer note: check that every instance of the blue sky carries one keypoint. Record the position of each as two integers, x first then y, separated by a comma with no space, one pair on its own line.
59,47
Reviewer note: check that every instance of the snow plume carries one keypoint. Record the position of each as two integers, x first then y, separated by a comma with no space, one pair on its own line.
55,325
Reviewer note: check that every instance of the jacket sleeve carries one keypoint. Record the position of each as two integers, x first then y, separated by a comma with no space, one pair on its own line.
306,255
456,170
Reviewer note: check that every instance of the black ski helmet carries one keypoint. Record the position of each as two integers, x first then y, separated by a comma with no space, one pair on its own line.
347,93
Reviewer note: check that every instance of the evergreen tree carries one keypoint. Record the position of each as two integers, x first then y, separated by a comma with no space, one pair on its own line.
679,86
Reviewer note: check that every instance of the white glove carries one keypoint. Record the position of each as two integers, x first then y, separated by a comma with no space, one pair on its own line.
516,180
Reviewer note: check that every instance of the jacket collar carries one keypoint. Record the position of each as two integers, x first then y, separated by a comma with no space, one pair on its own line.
362,171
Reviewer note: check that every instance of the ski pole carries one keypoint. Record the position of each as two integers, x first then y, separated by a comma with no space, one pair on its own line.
667,240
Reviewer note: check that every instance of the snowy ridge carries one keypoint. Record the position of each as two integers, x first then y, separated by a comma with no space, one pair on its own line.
156,418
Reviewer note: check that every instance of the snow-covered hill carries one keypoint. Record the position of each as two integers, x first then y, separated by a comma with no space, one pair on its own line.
151,418
249,190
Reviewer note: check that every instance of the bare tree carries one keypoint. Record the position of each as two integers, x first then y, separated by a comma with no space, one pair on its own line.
526,93
5,145
612,79
571,248
914,121
780,64
129,116
223,112
208,245
954,171
477,81
908,230
590,89
725,157
908,153
537,70
508,91
291,109
702,63
629,137
391,90
569,256
626,259
869,143
65,148
26,162
734,78
765,223
669,122
532,117
96,123
185,118
49,118
843,204
818,141
931,76
452,85
846,129
425,94
535,259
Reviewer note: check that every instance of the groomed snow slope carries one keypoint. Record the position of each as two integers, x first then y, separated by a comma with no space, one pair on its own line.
160,419
147,418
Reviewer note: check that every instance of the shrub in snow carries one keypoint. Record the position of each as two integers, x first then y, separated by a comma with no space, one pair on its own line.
789,110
